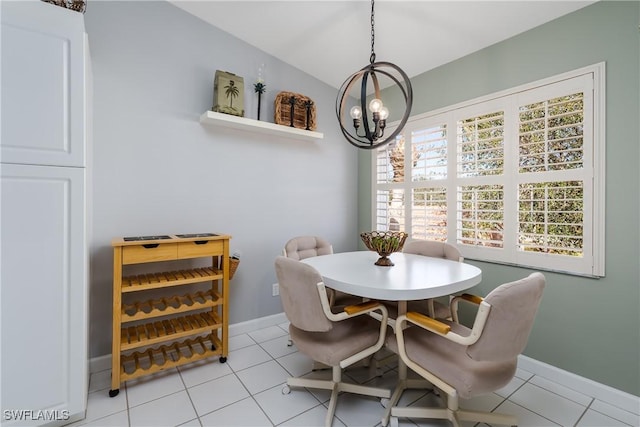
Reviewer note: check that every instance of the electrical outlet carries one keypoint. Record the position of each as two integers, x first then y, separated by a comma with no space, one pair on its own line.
275,290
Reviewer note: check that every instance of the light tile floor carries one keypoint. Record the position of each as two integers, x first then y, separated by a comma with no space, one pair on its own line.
247,391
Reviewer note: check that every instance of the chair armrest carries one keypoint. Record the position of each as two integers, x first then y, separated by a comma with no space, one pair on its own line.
364,306
441,328
472,298
351,310
428,323
453,304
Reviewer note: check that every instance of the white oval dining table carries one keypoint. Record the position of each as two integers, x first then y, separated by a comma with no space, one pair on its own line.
413,277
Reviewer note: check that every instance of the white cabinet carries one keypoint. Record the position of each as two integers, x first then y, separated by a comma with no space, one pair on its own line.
43,83
44,270
43,227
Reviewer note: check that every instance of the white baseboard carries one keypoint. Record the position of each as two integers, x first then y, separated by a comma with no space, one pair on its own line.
604,393
255,324
100,363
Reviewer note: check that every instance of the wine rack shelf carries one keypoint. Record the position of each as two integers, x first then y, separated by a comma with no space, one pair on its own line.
140,310
169,356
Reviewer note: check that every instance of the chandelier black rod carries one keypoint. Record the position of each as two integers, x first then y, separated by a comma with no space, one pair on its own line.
372,58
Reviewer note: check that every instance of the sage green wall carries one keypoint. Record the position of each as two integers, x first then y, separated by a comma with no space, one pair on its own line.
590,327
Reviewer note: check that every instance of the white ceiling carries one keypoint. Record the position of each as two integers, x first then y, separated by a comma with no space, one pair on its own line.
332,39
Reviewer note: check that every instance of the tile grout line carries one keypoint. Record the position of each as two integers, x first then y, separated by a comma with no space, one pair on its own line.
251,394
583,413
529,409
126,397
186,389
533,412
248,391
593,399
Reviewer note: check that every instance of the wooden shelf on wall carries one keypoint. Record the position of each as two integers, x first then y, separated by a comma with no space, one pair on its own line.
256,126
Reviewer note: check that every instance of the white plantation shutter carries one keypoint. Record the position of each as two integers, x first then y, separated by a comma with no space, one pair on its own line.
515,177
551,134
481,215
551,139
481,145
390,210
481,158
384,173
558,187
429,153
550,217
429,165
429,213
389,198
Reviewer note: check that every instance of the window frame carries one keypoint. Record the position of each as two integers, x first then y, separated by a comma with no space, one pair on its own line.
592,263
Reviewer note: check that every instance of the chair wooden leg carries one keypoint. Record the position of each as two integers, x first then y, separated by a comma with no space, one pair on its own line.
333,402
310,383
365,391
413,412
397,393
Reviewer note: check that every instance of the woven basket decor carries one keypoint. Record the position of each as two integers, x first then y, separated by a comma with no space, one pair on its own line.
77,5
234,263
283,111
233,266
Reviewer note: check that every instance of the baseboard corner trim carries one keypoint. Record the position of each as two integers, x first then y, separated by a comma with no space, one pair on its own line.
602,392
255,324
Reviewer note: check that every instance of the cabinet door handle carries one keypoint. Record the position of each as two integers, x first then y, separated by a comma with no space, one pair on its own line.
201,242
151,245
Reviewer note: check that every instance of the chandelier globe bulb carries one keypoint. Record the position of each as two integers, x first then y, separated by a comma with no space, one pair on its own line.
375,105
384,113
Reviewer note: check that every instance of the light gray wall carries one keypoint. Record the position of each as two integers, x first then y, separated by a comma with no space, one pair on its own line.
586,326
157,170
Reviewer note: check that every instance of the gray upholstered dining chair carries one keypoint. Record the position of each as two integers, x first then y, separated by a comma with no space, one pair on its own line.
302,247
463,362
434,249
335,339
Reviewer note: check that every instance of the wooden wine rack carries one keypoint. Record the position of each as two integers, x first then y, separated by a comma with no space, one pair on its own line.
161,332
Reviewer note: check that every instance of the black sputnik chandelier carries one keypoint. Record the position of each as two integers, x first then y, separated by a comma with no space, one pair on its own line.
368,118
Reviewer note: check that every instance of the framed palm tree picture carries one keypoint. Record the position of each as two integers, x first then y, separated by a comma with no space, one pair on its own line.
228,93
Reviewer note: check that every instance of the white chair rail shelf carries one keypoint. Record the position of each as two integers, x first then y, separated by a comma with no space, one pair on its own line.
256,126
